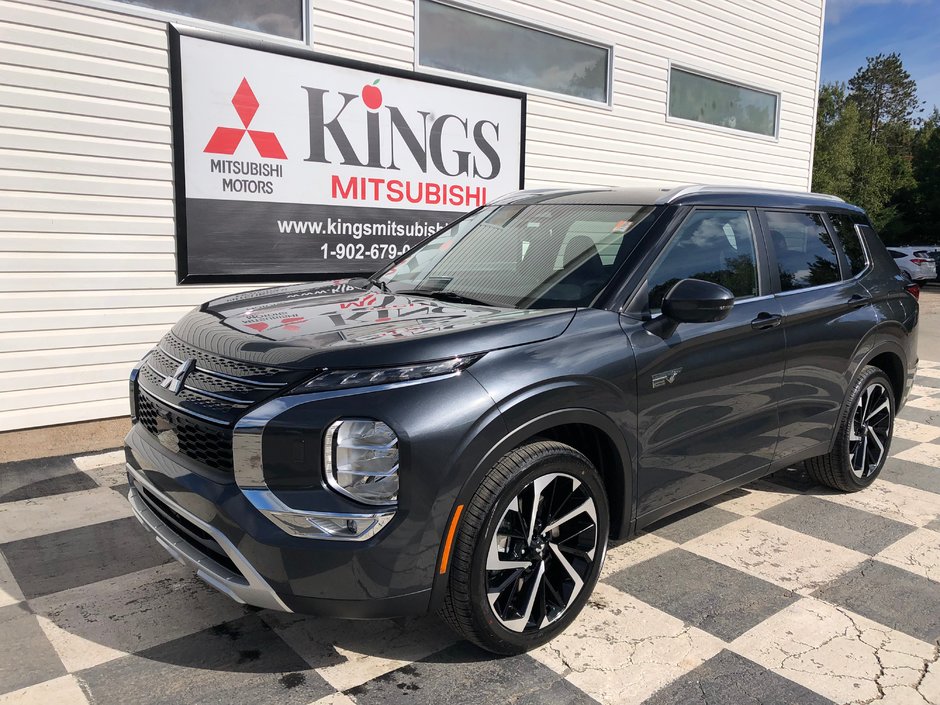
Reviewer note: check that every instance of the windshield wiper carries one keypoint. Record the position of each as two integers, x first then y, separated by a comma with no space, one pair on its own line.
446,296
379,284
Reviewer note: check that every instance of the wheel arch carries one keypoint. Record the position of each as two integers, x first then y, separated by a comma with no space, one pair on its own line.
590,432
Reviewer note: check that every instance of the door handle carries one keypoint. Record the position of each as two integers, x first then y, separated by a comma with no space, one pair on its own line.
765,321
858,300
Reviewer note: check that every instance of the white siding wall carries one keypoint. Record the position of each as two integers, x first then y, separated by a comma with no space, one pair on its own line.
87,280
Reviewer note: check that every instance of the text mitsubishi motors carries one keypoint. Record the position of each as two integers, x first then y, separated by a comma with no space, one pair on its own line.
293,165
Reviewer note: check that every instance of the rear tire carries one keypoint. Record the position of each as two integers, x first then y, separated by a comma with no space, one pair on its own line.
866,426
529,549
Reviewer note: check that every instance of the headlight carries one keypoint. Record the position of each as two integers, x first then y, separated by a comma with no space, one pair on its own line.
360,458
345,379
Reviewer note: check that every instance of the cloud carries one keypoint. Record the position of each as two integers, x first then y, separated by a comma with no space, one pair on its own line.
837,10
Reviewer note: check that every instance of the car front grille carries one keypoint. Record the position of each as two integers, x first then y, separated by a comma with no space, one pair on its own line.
205,443
197,420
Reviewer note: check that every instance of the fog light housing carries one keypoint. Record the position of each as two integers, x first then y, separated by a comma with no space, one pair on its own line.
360,460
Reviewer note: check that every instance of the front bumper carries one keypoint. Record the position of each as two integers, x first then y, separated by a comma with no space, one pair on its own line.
243,584
207,523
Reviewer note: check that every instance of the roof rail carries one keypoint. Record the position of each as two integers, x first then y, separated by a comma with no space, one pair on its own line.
675,194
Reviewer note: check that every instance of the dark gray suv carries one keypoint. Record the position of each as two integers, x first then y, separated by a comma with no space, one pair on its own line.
464,431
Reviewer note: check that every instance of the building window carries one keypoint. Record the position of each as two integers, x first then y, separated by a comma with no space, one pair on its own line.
714,102
284,18
456,39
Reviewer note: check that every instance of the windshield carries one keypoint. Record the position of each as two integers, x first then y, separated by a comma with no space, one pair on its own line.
522,256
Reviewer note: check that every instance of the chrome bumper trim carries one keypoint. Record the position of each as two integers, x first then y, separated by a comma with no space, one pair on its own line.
252,589
304,523
326,526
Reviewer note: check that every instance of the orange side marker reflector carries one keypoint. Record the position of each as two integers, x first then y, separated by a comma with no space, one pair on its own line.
448,544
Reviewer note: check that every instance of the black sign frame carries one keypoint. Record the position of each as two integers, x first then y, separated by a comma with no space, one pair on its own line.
175,32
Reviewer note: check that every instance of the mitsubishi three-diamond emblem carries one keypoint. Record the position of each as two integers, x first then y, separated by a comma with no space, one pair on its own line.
225,140
174,382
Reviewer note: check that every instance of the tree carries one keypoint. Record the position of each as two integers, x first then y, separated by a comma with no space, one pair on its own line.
873,150
837,127
886,95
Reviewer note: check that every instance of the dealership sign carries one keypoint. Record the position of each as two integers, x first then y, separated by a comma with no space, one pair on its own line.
292,165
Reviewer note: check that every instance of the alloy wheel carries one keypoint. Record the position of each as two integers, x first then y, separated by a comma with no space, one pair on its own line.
870,431
542,553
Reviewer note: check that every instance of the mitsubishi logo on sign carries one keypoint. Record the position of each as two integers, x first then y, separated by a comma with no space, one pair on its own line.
296,166
225,140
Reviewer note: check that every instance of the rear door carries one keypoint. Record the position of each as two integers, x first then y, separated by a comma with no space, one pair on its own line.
707,393
826,313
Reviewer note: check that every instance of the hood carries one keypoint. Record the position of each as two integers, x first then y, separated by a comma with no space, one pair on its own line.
335,324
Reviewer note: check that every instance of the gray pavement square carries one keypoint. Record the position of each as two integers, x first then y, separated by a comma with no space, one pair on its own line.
845,526
52,562
241,661
28,479
905,472
730,679
26,656
690,523
889,595
463,674
720,600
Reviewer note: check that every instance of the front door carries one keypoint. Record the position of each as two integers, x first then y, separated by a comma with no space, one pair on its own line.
707,394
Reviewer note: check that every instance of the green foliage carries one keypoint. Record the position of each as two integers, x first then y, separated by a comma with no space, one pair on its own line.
885,93
873,150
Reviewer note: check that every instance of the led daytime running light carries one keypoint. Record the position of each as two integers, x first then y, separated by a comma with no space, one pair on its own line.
331,380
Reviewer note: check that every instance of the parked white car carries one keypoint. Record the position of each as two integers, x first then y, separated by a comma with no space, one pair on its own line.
916,261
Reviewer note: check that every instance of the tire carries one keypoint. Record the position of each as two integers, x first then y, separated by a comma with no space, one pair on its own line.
852,465
492,548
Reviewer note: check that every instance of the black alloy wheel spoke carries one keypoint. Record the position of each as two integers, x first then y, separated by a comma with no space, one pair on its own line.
870,430
542,552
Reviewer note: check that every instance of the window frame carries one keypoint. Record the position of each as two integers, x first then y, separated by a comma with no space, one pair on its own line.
681,66
774,271
486,11
637,304
840,246
147,13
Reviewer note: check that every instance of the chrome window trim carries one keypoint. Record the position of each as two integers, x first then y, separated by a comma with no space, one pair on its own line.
856,229
811,288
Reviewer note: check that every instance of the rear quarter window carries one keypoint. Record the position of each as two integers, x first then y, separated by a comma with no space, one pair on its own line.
851,242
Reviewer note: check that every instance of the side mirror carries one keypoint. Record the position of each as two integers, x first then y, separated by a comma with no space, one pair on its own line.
697,301
691,301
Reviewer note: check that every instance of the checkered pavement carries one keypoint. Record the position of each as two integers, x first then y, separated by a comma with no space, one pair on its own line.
779,592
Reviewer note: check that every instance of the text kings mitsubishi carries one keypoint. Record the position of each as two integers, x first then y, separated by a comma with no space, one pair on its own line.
466,430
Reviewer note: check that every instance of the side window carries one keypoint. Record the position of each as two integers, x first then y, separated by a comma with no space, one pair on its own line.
896,254
713,245
851,242
805,254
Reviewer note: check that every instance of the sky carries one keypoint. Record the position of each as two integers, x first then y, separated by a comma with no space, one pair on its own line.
856,29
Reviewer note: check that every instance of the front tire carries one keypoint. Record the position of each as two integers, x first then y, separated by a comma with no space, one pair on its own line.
866,427
529,549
